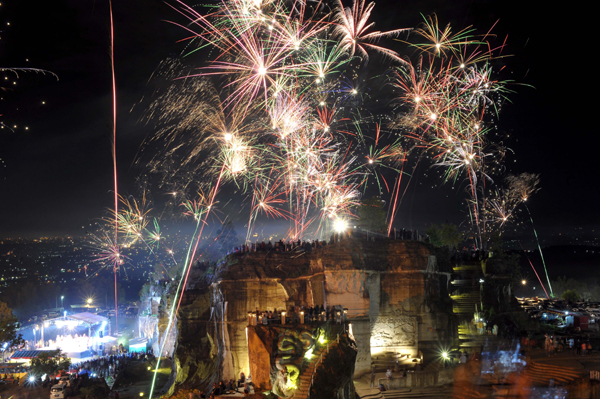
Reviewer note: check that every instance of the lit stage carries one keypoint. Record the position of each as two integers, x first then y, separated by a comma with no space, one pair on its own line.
65,333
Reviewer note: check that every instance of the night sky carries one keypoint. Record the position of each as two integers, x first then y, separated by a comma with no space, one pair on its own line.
57,175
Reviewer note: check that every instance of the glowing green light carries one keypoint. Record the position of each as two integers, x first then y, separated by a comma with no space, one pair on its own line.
309,353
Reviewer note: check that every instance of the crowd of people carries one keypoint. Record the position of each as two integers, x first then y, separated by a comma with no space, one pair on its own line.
280,246
309,245
229,387
107,366
296,314
16,369
577,346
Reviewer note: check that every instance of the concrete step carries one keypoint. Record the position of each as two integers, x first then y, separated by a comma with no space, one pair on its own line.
306,376
542,373
432,392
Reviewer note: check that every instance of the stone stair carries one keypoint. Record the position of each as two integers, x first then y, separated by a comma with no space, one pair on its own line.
305,380
466,298
384,361
434,365
541,373
407,393
465,287
464,303
468,392
471,339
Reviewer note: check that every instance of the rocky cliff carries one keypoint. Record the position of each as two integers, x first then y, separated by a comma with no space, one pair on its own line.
392,290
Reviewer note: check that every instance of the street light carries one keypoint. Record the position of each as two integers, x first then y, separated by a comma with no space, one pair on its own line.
89,301
524,282
62,298
340,225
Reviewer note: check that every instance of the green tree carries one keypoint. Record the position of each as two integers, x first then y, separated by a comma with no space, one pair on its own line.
50,363
8,327
570,295
226,237
372,215
451,236
435,235
590,292
447,235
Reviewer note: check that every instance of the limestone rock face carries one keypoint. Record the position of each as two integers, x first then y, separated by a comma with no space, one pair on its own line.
197,359
389,288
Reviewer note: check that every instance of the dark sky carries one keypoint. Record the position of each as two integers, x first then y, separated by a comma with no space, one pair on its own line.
57,175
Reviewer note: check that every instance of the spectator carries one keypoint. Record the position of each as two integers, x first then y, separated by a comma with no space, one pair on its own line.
388,375
372,376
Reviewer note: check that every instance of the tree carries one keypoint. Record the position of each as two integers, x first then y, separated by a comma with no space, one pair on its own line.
502,262
451,236
8,327
447,235
50,363
570,295
5,311
371,214
435,235
226,237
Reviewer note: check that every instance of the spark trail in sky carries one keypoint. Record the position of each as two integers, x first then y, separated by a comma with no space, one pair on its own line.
116,264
